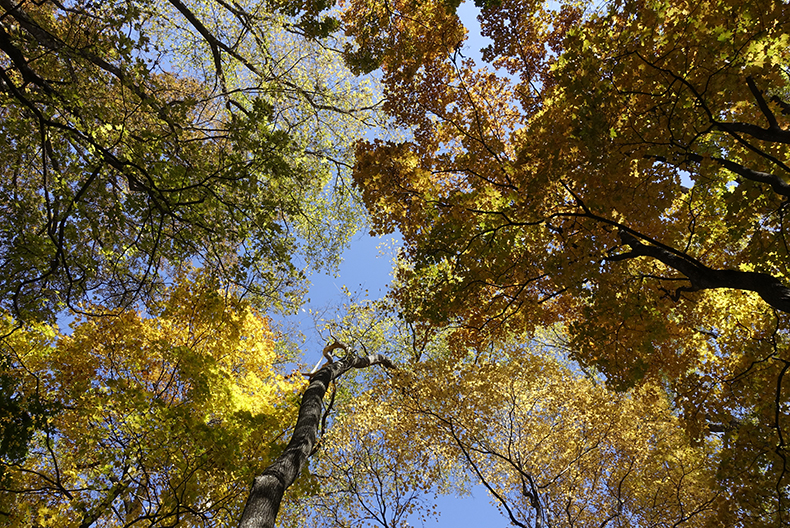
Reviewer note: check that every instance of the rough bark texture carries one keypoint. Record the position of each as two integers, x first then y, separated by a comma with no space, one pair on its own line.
702,277
267,491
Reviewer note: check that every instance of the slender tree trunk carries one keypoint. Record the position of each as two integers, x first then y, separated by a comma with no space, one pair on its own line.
268,488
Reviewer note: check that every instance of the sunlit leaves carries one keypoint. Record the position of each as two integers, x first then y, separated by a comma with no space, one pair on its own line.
158,418
588,455
547,440
620,169
141,135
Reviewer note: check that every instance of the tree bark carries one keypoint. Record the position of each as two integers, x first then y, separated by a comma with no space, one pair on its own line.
267,490
702,277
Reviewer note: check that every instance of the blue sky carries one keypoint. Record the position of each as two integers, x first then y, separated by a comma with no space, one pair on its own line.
367,265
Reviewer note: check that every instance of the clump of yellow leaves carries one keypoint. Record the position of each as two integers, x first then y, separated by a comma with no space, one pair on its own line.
158,418
553,445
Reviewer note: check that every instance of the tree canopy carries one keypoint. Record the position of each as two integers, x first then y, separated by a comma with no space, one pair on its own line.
137,140
160,420
618,170
590,311
137,136
553,448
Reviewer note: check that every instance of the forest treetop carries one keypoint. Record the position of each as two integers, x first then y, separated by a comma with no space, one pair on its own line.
620,170
139,135
614,174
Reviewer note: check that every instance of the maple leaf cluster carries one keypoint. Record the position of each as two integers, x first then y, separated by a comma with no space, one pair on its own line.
620,172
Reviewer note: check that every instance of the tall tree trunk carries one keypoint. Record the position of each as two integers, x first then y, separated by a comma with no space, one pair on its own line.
267,491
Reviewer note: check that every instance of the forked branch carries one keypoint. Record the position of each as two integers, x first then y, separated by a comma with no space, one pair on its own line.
702,277
267,491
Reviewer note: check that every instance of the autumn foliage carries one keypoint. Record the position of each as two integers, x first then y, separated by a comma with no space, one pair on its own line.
619,171
158,419
589,316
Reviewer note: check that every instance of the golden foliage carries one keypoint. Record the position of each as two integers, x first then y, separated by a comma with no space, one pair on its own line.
621,170
157,419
